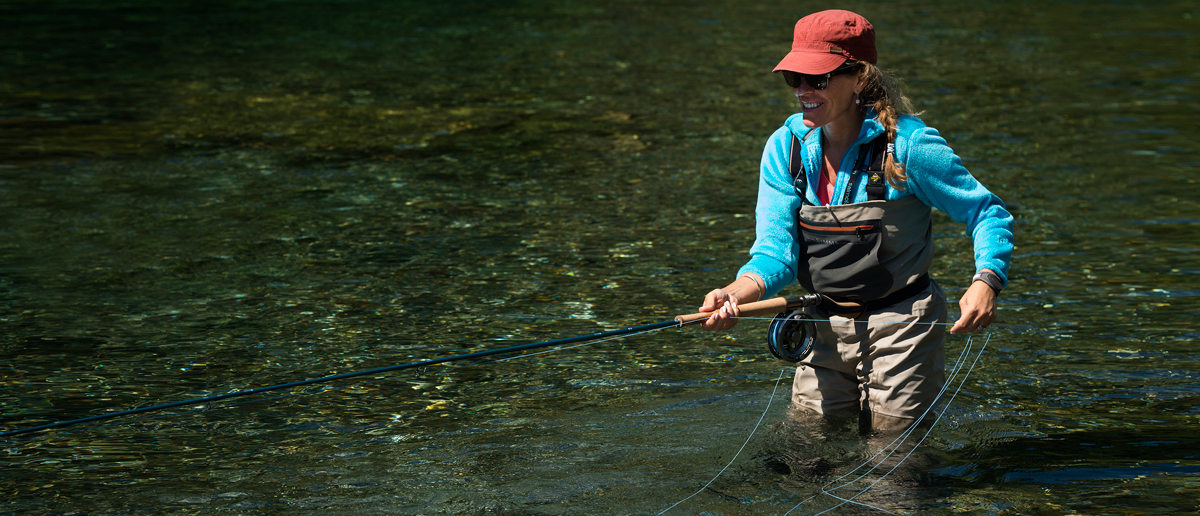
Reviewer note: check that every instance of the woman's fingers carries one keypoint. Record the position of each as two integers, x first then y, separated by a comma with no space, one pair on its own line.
713,299
978,307
970,321
966,324
724,317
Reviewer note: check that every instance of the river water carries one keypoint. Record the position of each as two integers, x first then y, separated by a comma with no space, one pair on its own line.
199,197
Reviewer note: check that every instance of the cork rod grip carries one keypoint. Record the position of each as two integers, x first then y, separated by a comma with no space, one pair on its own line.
764,307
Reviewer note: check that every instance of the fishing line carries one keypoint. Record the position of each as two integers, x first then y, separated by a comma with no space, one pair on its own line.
954,370
959,362
872,321
914,448
739,452
421,365
580,341
505,359
760,307
895,445
901,439
224,407
327,388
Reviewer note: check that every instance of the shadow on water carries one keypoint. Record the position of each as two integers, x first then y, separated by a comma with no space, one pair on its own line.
1099,470
202,197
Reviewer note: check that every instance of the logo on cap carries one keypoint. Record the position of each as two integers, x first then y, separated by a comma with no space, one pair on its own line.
834,49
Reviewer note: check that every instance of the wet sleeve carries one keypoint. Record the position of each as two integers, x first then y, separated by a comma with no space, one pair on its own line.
938,177
773,255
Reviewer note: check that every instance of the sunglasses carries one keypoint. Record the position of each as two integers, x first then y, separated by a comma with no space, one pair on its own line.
816,82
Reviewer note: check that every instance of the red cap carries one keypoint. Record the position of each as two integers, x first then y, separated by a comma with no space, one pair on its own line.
827,39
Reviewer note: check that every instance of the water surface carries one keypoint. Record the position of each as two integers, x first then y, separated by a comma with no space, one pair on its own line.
202,197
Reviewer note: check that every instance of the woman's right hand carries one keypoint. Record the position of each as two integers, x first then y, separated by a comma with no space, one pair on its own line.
724,308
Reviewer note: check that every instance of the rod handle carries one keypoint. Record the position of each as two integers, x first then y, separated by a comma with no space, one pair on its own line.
765,307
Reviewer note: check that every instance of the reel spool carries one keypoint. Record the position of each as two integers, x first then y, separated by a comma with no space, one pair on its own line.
790,336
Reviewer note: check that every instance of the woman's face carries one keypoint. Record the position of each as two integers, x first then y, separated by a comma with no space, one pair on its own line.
834,104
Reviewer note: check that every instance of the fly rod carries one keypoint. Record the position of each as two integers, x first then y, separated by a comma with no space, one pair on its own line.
769,306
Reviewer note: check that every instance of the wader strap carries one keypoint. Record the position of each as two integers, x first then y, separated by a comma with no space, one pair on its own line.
876,184
858,166
854,309
796,167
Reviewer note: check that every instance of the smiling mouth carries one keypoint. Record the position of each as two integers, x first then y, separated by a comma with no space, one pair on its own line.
811,105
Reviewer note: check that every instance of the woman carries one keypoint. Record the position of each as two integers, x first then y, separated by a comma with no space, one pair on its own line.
845,192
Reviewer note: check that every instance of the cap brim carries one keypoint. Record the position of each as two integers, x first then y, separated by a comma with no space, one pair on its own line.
812,63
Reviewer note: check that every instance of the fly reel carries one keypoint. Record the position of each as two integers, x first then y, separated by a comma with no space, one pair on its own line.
791,335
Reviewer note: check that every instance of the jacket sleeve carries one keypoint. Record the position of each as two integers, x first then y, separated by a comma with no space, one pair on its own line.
775,250
937,177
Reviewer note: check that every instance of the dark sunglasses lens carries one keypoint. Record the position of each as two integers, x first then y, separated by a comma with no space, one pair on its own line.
816,82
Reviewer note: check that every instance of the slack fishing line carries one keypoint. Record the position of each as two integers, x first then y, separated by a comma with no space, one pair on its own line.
894,446
903,438
291,385
770,399
774,305
326,388
777,305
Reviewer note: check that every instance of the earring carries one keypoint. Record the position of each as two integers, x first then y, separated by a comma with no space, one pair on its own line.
857,101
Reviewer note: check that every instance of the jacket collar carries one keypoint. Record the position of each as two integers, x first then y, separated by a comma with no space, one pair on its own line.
870,129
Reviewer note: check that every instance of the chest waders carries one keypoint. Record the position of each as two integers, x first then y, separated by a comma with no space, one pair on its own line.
859,257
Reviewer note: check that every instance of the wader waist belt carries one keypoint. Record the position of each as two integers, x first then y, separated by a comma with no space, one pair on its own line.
853,309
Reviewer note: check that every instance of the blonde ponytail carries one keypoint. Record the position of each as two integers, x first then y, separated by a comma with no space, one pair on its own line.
882,92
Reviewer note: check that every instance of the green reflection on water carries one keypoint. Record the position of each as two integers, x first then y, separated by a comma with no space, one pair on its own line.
204,197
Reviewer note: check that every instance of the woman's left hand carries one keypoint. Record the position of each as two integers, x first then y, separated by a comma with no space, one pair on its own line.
978,309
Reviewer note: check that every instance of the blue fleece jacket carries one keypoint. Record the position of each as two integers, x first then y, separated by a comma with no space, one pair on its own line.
935,175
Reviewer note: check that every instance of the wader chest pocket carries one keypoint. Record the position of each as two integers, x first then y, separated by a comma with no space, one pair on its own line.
843,258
